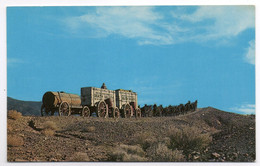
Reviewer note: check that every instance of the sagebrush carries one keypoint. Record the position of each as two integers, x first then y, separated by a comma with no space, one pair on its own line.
79,157
188,138
89,129
48,132
9,128
127,153
14,140
50,125
49,128
160,152
13,114
144,139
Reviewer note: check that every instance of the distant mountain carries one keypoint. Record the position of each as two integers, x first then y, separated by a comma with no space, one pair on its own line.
25,107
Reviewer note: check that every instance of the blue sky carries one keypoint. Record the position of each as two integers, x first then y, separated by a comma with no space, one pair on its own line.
167,54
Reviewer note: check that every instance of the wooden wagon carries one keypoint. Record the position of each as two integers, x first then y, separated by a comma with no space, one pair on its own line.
103,102
126,101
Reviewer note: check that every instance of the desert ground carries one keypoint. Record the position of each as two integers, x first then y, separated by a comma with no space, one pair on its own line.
206,135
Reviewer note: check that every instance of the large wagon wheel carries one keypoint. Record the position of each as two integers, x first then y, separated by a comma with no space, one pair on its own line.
138,113
102,109
127,111
64,109
44,111
85,111
116,113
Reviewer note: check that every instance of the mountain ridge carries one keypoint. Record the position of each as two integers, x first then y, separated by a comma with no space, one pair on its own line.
25,107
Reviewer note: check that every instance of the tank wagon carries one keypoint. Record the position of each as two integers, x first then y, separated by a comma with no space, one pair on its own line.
60,102
103,102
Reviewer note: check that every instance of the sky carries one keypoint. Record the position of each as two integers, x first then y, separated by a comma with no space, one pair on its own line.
167,54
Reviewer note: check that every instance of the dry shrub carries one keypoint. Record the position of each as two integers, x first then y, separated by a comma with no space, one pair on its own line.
9,128
127,153
48,132
166,141
13,140
188,139
133,157
160,152
50,125
90,129
145,139
79,157
13,114
49,128
133,149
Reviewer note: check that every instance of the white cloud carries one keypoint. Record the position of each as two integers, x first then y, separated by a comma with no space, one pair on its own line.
150,26
250,54
130,22
245,109
226,21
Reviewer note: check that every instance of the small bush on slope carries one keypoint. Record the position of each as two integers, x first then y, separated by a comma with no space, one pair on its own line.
188,139
13,140
145,139
49,128
127,153
79,157
13,114
160,152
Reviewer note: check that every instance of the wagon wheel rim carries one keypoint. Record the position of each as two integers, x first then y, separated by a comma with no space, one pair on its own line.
127,110
64,109
102,109
44,111
138,113
116,113
85,111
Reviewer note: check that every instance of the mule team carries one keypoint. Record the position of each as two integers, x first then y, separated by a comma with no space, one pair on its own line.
154,110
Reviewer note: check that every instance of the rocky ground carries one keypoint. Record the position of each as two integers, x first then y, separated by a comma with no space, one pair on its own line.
77,138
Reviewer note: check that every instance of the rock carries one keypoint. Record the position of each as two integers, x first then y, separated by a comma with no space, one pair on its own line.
53,159
235,154
216,155
196,157
218,122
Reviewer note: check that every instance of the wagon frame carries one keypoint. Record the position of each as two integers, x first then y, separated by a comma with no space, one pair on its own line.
104,102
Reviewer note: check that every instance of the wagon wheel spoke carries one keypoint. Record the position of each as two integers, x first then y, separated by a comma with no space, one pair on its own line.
103,113
102,109
64,109
85,111
127,110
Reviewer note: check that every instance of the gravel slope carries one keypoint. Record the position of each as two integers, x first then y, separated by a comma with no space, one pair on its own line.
233,136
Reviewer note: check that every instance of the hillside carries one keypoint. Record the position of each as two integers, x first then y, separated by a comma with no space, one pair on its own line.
207,134
25,107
